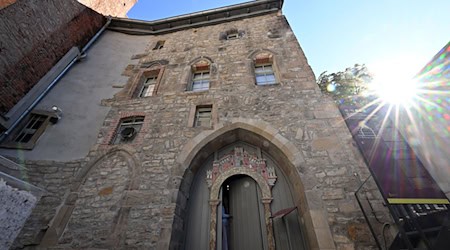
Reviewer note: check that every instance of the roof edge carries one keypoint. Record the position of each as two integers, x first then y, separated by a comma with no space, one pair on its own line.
196,19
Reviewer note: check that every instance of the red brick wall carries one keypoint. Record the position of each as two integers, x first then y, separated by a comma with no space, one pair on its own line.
4,3
36,34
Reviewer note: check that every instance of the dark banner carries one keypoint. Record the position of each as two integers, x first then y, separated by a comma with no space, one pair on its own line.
399,174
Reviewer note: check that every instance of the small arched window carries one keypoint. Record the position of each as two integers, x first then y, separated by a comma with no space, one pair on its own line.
148,81
264,69
200,79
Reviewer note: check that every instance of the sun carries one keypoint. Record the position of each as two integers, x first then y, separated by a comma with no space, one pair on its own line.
396,91
394,84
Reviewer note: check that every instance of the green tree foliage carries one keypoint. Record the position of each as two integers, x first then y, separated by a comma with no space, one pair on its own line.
345,85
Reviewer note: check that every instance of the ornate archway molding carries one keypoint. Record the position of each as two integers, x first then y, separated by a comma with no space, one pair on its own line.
262,128
239,162
291,161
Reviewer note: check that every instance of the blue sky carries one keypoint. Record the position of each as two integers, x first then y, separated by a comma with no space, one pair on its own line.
384,34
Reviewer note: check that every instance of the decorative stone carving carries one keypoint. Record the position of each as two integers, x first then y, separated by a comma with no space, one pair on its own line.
240,159
239,162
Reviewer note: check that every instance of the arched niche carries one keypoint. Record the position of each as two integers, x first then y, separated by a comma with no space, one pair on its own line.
94,210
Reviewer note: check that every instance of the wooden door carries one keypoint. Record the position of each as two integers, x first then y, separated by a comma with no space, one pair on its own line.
247,221
197,229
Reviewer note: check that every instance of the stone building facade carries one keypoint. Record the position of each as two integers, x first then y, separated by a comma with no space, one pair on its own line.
155,108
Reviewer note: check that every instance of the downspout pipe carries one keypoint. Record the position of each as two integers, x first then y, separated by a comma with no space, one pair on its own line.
96,36
58,77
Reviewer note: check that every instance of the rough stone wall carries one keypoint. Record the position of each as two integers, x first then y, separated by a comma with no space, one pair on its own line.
55,178
294,109
118,8
92,220
15,208
34,35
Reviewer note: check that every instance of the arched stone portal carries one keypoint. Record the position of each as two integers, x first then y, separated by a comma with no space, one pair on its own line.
259,134
240,162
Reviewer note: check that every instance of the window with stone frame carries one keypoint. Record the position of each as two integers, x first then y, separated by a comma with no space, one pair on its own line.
128,129
231,34
203,116
200,80
148,86
148,83
264,70
29,130
159,45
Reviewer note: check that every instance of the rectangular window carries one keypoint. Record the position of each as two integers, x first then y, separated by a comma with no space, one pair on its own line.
148,86
159,45
203,116
34,123
200,81
148,82
264,75
128,129
29,130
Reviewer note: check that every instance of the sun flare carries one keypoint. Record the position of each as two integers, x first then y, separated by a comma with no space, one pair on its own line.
394,84
397,92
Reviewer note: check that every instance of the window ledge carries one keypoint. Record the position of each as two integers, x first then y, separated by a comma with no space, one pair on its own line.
14,145
50,118
200,92
144,97
204,127
267,85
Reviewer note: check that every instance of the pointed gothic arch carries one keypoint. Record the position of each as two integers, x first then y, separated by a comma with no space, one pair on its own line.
252,55
257,133
114,161
125,151
267,135
201,58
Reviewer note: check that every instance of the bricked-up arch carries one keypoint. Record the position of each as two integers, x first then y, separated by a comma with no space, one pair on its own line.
257,133
127,152
202,63
95,213
200,59
257,52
